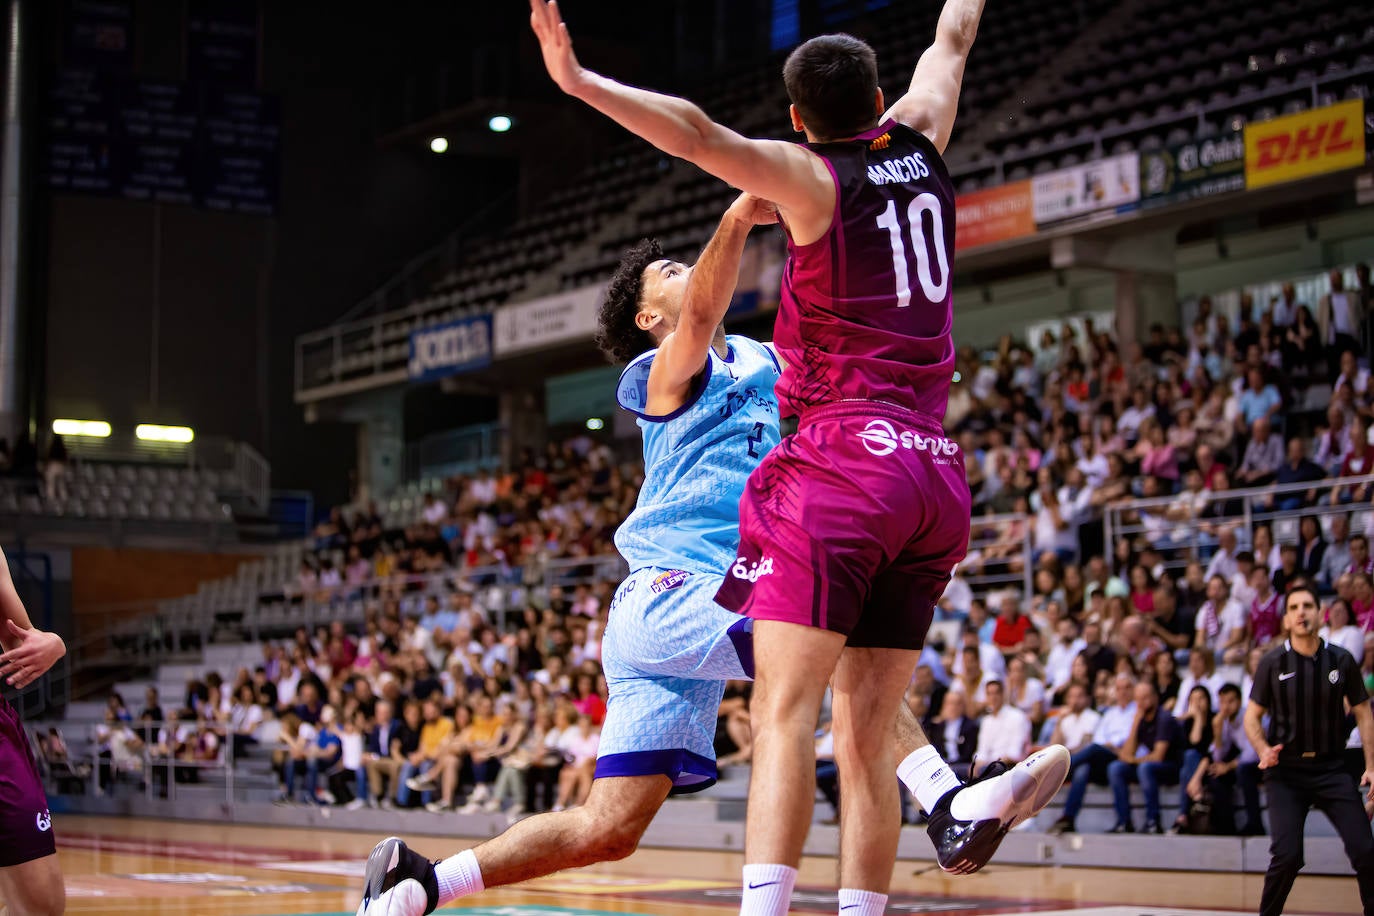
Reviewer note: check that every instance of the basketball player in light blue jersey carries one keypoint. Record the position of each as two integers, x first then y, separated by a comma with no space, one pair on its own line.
706,407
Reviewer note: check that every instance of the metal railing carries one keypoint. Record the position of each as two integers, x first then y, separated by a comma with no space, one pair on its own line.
248,475
458,451
1000,553
90,767
1181,541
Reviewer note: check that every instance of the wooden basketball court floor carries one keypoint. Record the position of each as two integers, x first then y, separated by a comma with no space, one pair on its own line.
142,866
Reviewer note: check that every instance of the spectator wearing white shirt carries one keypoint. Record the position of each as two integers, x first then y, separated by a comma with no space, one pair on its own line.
1202,672
1222,624
434,510
1024,692
1090,763
1067,644
1340,629
1128,424
1242,592
1263,455
972,682
1004,732
1336,557
578,745
1223,562
1338,318
1333,443
1075,728
989,657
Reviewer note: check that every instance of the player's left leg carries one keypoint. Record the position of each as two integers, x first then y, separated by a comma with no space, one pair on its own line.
656,739
402,882
34,888
30,875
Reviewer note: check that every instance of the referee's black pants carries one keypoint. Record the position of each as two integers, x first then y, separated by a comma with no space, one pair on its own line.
1293,791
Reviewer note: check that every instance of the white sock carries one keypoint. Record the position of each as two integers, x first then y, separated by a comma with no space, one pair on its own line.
767,890
991,798
458,876
927,776
866,902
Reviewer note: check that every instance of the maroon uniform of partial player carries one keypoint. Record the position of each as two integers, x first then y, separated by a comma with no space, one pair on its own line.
866,310
30,876
859,519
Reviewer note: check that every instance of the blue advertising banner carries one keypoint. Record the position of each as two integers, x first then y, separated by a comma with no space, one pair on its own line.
448,349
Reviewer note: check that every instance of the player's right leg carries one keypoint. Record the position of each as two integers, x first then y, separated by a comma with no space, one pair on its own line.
869,685
34,888
401,882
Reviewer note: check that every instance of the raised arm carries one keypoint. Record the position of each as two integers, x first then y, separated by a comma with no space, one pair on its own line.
682,354
932,101
796,179
28,651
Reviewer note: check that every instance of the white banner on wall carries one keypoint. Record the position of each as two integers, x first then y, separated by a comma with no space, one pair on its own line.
562,318
1100,185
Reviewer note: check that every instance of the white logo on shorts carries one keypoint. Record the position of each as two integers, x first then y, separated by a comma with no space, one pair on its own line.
753,573
44,822
879,438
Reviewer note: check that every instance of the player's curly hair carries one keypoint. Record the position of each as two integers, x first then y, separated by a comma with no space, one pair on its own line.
833,80
616,332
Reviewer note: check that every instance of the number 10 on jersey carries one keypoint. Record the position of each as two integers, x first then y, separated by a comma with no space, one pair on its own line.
921,246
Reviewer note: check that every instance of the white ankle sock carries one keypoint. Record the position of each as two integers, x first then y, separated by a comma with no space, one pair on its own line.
458,876
991,798
867,903
927,776
767,890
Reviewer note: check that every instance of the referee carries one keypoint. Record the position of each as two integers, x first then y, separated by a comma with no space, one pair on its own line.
1306,683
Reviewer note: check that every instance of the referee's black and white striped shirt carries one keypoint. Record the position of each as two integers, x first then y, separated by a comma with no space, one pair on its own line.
1305,698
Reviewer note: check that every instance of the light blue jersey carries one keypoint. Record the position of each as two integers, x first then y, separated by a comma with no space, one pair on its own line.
669,648
697,460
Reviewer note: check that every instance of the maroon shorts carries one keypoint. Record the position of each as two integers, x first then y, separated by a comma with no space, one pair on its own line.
25,824
854,524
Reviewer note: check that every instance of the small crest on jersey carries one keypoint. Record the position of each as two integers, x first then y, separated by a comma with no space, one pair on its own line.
1334,676
882,142
668,580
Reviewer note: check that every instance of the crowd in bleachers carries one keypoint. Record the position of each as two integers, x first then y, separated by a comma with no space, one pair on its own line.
1136,643
562,505
1133,644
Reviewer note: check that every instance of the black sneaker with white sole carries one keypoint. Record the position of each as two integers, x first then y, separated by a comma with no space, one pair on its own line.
385,889
1009,796
963,847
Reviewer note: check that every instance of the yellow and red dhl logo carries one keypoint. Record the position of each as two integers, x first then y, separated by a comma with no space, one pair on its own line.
1306,144
882,142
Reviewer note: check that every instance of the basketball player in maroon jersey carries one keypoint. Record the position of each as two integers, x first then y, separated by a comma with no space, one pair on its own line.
850,528
30,876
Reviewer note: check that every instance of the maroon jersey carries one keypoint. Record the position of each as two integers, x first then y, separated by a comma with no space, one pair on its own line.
865,310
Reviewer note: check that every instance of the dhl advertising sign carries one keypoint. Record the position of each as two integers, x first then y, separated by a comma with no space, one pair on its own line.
1302,145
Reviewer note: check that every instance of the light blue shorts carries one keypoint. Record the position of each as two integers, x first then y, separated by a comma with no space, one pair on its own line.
667,653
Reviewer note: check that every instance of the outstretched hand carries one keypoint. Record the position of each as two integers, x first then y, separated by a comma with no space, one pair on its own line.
754,210
556,44
1270,757
37,651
